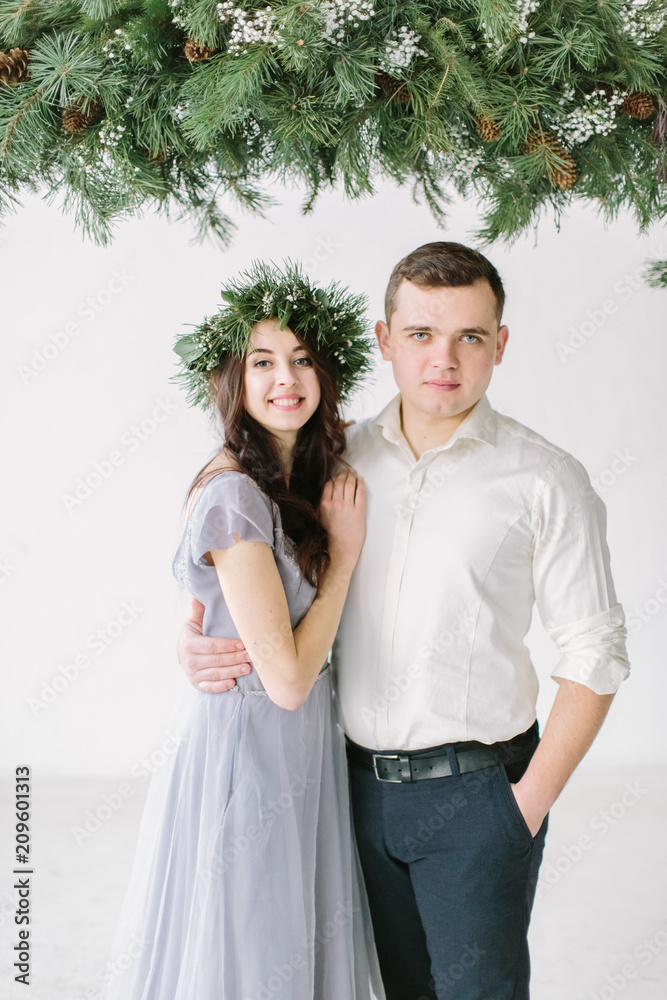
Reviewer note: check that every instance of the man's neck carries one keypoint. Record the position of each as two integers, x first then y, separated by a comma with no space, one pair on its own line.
423,432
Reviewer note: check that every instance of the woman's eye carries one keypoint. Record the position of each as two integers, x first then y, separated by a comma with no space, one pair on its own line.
261,363
303,362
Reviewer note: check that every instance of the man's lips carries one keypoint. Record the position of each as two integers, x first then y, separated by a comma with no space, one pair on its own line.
442,385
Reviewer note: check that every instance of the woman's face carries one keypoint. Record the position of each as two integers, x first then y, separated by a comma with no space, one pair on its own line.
282,390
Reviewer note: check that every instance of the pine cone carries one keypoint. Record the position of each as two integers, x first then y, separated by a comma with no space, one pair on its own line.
196,52
75,119
564,176
637,105
14,66
488,130
392,87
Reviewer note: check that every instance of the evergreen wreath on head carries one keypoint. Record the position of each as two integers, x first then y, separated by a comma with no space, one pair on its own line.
521,105
330,319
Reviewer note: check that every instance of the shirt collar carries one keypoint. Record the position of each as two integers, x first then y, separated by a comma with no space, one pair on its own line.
480,424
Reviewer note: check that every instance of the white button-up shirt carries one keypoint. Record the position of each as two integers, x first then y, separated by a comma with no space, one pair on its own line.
459,546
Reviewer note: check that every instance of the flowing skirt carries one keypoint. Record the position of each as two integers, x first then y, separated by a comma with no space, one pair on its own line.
246,883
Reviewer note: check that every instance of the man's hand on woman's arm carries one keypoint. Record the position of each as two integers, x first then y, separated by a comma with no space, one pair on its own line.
211,664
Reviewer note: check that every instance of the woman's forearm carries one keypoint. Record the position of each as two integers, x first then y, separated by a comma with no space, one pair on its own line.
314,636
287,662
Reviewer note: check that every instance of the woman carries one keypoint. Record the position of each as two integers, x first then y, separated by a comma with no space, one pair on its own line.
246,884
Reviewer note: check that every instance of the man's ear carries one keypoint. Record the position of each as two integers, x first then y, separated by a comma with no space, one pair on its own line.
382,334
501,343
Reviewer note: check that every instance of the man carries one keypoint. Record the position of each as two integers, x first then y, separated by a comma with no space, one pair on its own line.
471,519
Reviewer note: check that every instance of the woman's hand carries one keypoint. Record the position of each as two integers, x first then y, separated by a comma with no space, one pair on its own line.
343,515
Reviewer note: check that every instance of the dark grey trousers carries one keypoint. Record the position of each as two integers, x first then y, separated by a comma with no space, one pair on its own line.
451,870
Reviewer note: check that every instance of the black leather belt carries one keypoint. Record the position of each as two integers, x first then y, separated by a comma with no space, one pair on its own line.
416,767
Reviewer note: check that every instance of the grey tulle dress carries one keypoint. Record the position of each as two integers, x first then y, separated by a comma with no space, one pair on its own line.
246,883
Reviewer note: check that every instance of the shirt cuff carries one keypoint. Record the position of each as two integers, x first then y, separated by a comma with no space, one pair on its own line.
593,651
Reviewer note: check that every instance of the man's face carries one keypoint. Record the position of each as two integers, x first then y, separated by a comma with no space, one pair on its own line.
443,344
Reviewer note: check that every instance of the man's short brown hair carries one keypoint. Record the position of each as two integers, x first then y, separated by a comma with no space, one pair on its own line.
443,265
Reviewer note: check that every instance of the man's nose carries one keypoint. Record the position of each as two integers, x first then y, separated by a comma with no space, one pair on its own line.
444,355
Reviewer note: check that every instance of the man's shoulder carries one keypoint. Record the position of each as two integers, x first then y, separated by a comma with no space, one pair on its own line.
533,452
512,433
358,435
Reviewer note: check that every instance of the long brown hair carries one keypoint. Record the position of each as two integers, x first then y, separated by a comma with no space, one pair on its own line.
317,455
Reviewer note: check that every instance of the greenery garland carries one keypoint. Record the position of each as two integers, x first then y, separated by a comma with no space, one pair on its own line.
657,274
523,105
331,318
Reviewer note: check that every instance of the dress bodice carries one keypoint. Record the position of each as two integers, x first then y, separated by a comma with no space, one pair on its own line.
232,507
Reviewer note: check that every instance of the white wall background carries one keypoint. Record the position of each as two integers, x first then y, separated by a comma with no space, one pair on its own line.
585,367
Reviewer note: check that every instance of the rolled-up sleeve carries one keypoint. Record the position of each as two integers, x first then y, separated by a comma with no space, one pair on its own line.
574,590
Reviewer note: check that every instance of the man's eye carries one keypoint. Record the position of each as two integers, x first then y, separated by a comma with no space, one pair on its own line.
420,334
470,337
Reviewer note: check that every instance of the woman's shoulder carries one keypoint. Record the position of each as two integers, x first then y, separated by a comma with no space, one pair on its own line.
229,486
229,507
222,478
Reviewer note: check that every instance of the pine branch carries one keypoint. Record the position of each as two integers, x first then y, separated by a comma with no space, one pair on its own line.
15,121
220,92
656,274
210,223
101,10
437,95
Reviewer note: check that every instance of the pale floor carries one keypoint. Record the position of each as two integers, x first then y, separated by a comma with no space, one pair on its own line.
599,926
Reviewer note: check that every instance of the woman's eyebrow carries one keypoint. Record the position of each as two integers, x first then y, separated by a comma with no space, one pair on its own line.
265,350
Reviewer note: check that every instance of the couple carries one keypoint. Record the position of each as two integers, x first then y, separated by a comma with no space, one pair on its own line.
420,540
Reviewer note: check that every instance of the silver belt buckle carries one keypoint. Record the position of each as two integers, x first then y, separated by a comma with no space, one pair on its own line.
389,756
